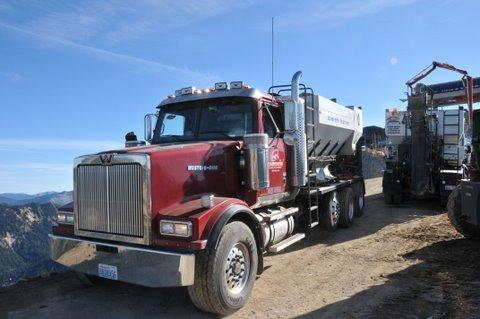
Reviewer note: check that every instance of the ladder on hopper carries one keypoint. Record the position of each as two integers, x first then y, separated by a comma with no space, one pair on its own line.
312,188
312,181
451,134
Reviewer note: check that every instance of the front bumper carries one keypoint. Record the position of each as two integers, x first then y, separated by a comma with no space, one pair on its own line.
141,266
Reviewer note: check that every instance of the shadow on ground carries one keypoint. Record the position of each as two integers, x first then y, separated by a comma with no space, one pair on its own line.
64,295
377,215
444,284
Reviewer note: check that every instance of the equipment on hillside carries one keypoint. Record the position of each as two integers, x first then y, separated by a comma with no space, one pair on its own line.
464,202
426,143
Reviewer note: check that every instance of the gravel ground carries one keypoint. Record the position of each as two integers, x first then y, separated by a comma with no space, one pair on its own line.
396,262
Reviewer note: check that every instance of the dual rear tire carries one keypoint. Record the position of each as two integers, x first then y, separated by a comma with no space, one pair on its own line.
341,207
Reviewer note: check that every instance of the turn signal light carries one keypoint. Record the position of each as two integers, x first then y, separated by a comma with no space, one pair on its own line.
65,218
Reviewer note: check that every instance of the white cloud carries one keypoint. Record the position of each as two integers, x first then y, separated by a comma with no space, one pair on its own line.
117,21
93,27
5,6
56,144
334,13
393,60
38,167
13,77
147,65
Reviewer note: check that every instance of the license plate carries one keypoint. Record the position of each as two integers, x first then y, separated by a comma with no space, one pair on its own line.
450,187
107,271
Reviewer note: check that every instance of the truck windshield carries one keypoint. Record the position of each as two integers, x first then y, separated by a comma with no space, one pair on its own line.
226,119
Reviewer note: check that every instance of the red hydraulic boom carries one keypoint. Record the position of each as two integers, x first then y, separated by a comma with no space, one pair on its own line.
466,79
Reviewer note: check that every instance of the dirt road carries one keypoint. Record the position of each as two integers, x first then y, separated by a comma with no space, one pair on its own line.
396,262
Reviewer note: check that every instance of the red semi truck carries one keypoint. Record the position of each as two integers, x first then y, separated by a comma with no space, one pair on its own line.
225,176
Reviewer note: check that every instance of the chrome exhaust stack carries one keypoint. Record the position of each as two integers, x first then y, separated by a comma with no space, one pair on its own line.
295,136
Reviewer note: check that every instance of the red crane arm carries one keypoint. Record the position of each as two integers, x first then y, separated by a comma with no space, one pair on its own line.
467,81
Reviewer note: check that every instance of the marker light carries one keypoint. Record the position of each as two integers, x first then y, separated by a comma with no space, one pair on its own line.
207,201
176,228
221,86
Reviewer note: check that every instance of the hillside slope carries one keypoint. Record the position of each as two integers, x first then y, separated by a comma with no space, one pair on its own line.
24,248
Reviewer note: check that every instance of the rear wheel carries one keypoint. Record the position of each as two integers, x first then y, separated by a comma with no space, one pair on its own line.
388,198
457,219
329,208
224,275
359,198
397,198
346,201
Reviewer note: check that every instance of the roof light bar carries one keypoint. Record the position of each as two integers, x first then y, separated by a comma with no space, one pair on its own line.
221,86
236,85
188,90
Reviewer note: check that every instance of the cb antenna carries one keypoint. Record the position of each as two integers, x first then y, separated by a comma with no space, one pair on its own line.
272,52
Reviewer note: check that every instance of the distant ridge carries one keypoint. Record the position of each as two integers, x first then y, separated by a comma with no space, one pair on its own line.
18,199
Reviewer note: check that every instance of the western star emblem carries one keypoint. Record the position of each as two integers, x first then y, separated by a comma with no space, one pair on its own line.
106,159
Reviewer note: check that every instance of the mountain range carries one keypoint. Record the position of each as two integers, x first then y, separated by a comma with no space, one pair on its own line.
16,199
25,222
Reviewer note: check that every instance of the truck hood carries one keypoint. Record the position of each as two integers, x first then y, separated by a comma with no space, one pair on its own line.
183,172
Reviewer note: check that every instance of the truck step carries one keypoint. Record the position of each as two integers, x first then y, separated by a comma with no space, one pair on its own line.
286,242
314,224
313,208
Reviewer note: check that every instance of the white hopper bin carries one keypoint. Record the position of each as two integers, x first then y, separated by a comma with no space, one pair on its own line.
337,128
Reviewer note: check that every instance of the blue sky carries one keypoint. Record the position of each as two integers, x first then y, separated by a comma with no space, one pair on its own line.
75,76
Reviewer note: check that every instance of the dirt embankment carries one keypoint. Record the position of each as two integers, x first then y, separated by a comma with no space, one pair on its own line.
394,262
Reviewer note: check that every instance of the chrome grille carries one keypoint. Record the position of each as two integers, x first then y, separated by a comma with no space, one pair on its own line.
109,199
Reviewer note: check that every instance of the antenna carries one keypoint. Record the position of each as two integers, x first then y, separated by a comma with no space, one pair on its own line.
272,52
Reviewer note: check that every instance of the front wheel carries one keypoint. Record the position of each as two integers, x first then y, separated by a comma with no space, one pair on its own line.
224,275
457,219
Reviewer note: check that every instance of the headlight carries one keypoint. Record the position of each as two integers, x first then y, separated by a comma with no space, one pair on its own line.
65,218
175,228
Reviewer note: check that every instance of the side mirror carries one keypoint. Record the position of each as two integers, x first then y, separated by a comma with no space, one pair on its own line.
148,126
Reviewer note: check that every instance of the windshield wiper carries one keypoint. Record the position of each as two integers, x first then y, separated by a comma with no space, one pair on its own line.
174,137
217,132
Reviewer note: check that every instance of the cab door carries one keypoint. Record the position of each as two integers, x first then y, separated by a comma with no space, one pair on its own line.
272,121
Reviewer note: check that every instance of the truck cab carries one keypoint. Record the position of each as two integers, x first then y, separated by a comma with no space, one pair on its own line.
225,175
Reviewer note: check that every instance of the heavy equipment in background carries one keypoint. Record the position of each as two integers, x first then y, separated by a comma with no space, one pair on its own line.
228,174
464,202
427,143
